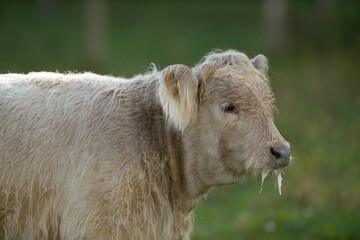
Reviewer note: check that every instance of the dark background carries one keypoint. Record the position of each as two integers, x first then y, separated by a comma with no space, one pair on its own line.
313,49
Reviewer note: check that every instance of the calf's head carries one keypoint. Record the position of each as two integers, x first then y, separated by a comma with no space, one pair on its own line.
224,110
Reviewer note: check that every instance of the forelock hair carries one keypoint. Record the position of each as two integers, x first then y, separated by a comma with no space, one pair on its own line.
216,59
230,59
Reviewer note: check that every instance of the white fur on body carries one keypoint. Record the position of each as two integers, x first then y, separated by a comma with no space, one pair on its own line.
84,156
78,160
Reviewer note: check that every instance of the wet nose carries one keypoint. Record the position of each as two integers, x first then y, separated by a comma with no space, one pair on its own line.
281,155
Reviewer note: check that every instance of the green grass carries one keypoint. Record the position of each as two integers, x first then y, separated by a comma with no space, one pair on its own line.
316,82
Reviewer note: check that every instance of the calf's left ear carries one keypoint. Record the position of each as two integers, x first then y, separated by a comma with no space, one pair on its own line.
178,93
260,62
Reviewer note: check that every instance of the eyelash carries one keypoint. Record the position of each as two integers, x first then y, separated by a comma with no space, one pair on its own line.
227,107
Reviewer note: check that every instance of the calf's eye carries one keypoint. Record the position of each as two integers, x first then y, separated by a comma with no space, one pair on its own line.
227,107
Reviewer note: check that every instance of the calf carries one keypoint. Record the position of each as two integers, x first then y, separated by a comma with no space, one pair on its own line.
84,156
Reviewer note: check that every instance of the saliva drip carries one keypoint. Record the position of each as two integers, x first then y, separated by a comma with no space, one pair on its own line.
265,173
263,176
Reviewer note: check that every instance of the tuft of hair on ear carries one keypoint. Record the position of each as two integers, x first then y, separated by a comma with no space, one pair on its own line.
178,94
260,62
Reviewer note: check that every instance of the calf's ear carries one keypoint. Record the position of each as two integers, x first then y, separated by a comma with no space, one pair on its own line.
178,93
260,62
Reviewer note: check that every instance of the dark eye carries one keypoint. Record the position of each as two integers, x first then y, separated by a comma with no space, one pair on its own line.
227,107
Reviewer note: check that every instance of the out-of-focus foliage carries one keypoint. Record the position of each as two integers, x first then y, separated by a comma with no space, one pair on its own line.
314,74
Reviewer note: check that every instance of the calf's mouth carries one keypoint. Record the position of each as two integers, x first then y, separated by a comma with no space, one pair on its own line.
281,156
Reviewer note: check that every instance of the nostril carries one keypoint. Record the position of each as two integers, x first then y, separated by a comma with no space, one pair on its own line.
275,152
281,155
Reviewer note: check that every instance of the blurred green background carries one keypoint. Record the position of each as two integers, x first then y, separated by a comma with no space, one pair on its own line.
313,48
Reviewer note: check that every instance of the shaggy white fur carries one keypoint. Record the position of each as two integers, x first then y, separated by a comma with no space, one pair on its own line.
84,156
